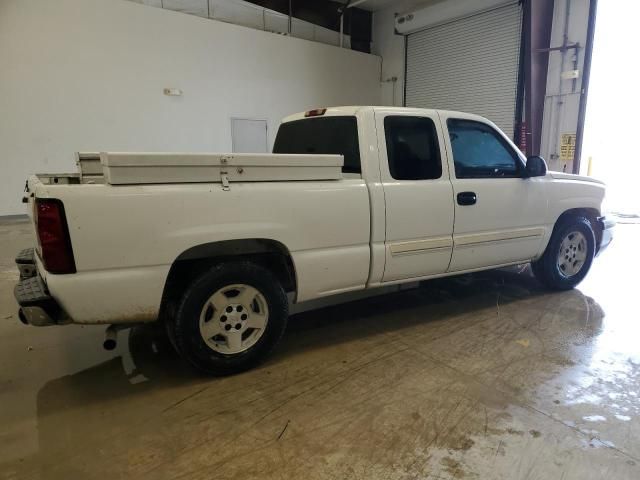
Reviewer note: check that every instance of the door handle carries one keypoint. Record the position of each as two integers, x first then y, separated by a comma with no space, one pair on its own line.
467,198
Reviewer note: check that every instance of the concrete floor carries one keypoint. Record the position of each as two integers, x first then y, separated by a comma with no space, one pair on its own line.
482,376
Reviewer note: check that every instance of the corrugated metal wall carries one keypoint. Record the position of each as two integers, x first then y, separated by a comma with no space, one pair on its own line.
470,64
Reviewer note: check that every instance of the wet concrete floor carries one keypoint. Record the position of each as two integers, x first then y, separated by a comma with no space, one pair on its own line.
480,376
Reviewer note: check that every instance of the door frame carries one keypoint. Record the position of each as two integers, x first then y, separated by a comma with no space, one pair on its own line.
255,119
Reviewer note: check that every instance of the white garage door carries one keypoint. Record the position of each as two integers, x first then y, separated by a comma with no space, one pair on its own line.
470,64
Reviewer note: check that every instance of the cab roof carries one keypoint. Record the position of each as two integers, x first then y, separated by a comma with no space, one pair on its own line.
355,109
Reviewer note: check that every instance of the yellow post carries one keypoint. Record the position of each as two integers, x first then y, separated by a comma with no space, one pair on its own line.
589,168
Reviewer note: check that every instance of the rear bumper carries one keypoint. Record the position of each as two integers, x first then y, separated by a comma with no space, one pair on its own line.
127,295
26,263
37,307
606,225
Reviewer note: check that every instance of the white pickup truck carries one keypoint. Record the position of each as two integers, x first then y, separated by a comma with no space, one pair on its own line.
217,246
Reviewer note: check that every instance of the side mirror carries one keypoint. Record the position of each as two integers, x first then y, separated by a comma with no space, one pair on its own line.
536,167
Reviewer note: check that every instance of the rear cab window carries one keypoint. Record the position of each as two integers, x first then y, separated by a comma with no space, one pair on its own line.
332,135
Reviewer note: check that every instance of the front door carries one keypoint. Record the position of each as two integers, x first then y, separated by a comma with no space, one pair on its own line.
499,213
418,194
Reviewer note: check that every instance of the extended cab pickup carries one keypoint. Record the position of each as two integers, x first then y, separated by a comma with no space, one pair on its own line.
217,246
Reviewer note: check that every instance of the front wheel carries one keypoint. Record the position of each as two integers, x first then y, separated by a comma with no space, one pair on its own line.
568,256
230,318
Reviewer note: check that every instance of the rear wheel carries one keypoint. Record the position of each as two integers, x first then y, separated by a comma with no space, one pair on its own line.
230,318
569,255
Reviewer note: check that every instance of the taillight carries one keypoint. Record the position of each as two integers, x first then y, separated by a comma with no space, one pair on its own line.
53,236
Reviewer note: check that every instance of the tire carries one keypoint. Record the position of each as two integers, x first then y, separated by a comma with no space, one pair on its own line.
223,306
563,272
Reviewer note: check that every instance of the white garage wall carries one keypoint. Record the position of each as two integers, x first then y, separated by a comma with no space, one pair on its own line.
89,75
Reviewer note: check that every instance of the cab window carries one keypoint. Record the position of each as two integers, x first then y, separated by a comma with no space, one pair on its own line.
334,135
412,148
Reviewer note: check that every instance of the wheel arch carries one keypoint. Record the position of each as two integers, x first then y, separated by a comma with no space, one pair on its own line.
545,266
194,261
591,214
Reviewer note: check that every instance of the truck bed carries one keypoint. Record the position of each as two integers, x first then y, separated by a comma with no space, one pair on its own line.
126,236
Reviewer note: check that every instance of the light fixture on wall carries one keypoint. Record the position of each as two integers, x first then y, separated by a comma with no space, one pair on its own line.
172,92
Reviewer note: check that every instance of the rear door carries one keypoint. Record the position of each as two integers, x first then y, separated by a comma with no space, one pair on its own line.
499,213
418,194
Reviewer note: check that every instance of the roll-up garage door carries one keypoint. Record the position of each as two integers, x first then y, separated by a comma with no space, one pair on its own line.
470,64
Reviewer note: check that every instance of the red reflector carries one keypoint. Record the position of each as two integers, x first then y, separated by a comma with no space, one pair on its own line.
53,236
315,113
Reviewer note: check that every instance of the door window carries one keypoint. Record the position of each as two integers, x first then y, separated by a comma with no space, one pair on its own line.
480,152
412,148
